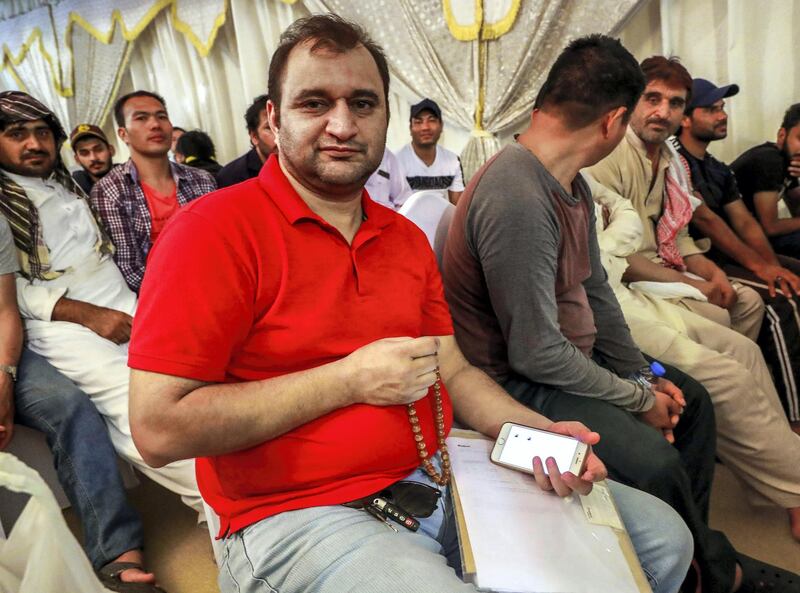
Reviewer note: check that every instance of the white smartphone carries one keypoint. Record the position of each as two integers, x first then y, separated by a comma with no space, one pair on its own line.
517,445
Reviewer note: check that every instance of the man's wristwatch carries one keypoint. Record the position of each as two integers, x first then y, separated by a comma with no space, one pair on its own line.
644,377
10,369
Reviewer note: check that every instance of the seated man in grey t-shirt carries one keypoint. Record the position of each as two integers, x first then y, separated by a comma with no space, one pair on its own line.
532,307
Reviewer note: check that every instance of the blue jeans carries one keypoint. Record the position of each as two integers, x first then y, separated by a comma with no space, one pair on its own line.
335,548
83,456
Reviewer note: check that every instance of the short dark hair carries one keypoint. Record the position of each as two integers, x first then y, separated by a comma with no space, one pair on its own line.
791,118
119,117
197,144
592,75
180,129
254,111
670,71
328,32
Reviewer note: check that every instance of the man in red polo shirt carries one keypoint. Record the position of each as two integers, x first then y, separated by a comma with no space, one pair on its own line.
263,345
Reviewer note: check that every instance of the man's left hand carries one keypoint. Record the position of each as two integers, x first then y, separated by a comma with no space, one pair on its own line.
566,483
778,277
673,391
726,289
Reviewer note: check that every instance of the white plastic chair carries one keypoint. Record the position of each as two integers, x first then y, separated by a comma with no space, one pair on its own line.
40,554
432,213
30,446
213,528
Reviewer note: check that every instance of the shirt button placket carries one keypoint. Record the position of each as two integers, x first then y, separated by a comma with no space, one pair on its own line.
356,276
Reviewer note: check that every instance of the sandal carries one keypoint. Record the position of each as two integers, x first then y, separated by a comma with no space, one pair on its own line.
109,577
760,577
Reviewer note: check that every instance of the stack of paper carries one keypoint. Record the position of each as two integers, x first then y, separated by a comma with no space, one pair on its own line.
517,538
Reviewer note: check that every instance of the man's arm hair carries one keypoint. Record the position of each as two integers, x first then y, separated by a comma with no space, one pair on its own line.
177,418
702,266
641,268
10,348
722,236
10,322
766,206
747,227
478,402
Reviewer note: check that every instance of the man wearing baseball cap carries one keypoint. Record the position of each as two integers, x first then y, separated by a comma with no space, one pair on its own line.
428,165
739,244
92,152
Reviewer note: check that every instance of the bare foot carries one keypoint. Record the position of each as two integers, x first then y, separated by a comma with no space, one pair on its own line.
134,575
794,522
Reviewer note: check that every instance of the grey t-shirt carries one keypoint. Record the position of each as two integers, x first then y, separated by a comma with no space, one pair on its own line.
526,288
8,253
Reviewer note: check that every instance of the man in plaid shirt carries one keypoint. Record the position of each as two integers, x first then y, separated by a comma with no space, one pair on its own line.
136,199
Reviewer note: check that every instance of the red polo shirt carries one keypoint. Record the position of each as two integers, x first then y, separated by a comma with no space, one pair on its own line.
247,284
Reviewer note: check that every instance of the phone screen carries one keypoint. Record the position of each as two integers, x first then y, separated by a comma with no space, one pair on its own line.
523,444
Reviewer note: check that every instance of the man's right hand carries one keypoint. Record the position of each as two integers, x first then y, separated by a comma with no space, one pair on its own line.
664,414
711,291
6,410
779,277
108,323
392,371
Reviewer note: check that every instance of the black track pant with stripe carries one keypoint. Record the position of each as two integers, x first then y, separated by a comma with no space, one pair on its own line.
780,334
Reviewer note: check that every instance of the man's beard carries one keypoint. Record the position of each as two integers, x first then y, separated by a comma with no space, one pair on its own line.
42,170
326,175
709,135
102,173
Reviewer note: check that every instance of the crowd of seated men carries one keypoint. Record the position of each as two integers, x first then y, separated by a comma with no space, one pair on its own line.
297,348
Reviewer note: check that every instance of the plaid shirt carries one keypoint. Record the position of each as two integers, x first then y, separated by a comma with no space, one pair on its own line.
119,200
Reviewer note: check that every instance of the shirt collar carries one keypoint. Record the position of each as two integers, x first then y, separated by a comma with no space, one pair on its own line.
638,145
676,142
27,182
274,182
129,170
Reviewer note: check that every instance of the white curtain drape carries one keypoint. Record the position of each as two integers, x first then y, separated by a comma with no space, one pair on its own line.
752,44
485,86
71,53
199,92
486,79
213,92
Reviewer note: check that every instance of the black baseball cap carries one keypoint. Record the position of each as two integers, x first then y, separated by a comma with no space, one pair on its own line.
82,131
426,105
705,93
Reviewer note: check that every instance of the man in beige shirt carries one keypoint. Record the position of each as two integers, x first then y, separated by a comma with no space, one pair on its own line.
762,451
638,169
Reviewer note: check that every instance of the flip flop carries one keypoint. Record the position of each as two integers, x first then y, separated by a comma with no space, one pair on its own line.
760,577
109,577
